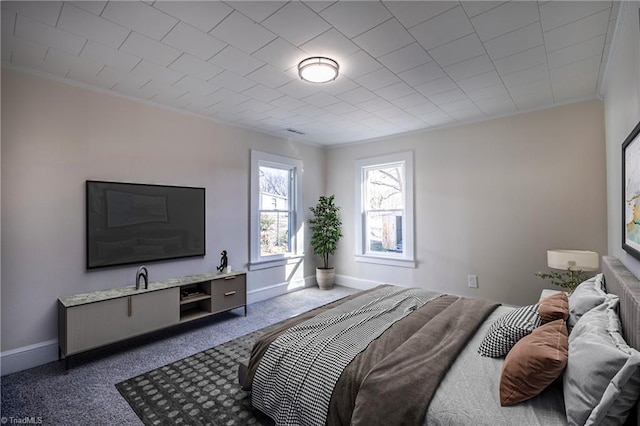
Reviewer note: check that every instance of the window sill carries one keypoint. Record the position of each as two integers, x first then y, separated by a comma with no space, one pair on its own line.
274,263
380,260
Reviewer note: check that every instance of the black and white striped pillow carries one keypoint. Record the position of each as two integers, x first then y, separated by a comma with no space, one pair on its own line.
508,329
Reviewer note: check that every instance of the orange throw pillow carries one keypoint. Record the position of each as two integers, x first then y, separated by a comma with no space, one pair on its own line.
554,307
534,363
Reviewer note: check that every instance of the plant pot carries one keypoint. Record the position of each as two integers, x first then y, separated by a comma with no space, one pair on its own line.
325,277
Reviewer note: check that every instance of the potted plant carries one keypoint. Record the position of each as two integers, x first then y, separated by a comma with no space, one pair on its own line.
326,229
569,279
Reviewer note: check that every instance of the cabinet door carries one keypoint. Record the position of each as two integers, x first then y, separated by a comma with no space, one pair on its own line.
155,310
96,324
100,323
228,293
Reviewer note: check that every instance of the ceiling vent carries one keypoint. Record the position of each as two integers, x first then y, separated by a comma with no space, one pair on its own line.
297,132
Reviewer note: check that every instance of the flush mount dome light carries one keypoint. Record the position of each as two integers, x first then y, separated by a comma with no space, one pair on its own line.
318,69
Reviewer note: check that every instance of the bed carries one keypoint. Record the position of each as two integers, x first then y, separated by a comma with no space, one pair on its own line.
412,373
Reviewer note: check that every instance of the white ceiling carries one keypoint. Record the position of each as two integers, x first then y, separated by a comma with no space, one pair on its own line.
404,65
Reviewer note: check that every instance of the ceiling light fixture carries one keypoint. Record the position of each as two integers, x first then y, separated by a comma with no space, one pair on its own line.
318,69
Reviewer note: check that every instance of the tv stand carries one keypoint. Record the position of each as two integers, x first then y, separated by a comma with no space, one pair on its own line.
90,320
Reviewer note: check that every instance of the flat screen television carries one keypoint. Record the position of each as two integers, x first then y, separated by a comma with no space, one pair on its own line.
137,223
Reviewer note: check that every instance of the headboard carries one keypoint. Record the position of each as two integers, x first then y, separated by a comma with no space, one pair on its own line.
618,280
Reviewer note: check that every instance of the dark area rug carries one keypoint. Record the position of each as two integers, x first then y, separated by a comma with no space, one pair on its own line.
201,389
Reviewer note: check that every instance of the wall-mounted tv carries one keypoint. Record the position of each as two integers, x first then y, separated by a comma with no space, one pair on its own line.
137,223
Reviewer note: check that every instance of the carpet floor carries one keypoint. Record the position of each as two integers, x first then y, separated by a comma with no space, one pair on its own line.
87,393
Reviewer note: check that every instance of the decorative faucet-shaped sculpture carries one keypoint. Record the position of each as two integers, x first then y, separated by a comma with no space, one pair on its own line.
142,272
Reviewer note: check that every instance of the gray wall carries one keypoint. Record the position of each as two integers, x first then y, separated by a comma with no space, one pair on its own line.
490,199
622,112
55,136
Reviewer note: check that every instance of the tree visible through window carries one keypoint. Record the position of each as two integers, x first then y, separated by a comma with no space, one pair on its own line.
275,210
384,208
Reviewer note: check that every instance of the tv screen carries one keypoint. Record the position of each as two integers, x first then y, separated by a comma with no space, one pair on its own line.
136,223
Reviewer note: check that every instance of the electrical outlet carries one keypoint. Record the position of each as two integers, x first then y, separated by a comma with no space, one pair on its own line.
473,281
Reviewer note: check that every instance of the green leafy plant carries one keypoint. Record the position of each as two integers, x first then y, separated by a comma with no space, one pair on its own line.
569,279
326,228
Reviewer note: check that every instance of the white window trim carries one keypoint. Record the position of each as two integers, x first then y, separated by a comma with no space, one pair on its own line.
406,259
257,261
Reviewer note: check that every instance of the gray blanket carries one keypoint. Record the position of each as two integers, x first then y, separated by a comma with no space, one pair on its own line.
297,374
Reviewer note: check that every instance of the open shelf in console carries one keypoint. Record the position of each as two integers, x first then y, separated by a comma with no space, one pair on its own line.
195,301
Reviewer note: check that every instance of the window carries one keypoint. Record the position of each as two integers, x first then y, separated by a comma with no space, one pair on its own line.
276,231
384,194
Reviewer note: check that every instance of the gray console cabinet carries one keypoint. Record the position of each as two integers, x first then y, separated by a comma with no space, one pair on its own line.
91,320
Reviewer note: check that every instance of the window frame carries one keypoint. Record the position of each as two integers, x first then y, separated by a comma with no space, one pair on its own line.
406,258
296,235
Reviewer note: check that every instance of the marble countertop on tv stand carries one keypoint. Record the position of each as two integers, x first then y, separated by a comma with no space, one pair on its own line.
115,293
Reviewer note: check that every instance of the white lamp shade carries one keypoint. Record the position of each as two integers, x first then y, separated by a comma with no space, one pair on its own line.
318,69
573,259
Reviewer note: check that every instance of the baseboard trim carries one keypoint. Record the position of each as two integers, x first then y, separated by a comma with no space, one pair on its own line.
19,359
357,283
264,293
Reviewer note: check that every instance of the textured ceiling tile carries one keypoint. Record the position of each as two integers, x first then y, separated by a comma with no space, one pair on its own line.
195,42
576,52
577,31
149,49
515,41
352,18
95,7
203,15
195,67
332,44
157,73
46,12
232,81
458,50
357,96
262,93
422,74
280,54
358,64
519,61
87,25
480,81
384,38
49,36
445,28
378,79
114,58
395,91
470,67
257,10
296,23
436,86
476,7
269,76
242,33
236,61
406,58
557,13
505,18
140,17
411,13
528,75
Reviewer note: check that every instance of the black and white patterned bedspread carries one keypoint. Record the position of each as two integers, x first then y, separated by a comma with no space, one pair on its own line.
295,379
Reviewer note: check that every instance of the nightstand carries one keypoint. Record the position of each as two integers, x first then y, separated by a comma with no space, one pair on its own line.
548,292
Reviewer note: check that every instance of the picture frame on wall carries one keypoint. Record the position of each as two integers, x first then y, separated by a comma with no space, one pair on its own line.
631,193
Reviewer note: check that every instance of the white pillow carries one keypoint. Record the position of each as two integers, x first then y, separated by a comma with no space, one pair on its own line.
586,296
602,378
